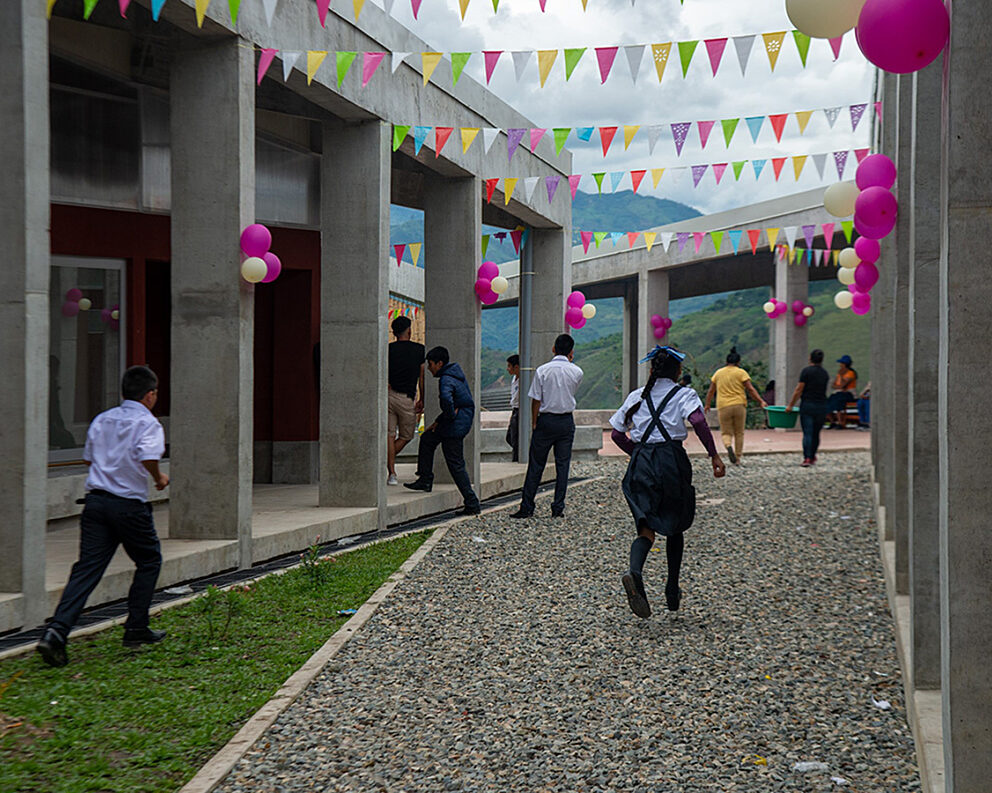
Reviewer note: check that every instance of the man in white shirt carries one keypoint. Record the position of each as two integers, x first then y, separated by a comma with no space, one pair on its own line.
123,446
552,395
513,430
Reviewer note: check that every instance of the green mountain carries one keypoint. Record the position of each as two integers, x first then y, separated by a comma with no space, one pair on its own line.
624,211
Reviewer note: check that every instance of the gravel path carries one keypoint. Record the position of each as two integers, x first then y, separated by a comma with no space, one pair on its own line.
509,660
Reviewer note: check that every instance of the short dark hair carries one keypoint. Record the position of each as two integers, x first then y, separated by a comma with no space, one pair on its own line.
564,344
816,357
733,356
138,381
401,325
438,355
513,360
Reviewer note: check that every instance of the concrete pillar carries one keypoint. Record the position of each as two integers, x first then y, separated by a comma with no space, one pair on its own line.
922,486
452,228
24,309
552,283
791,342
212,93
652,298
630,339
354,295
965,426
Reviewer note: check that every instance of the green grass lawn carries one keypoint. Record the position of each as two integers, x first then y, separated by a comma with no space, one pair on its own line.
125,720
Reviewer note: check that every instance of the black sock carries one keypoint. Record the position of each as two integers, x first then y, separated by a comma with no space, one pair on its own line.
673,550
639,553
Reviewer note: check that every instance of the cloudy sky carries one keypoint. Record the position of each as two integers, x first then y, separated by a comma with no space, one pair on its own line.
584,101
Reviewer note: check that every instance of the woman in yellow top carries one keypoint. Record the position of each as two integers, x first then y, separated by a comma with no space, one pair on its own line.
731,385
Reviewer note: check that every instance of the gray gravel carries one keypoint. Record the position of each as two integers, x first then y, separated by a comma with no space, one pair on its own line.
514,664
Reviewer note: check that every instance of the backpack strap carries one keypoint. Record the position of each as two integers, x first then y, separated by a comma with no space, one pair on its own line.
656,415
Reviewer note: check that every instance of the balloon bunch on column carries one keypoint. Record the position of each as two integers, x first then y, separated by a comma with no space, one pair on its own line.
489,284
660,325
577,310
899,36
775,308
261,265
111,317
75,302
801,312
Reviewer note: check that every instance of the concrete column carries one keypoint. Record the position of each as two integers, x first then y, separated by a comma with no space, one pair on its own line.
922,485
452,228
354,295
24,309
791,342
552,283
212,92
652,298
964,425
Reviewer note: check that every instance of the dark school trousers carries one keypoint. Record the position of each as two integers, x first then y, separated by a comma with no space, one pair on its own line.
513,434
108,521
454,457
811,420
553,430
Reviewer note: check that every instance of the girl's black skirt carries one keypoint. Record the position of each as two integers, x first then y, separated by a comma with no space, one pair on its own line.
658,488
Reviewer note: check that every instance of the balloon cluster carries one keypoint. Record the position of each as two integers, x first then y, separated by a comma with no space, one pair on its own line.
75,302
577,310
775,308
899,36
660,325
261,265
489,284
111,317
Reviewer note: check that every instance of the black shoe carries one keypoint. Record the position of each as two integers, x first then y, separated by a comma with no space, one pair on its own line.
673,596
418,485
557,514
633,585
521,514
467,510
731,455
51,647
135,637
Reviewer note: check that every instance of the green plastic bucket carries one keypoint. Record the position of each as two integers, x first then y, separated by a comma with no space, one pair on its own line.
778,418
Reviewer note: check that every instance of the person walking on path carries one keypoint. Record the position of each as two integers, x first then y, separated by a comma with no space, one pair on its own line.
406,382
513,430
552,395
845,390
448,430
658,483
812,390
731,384
123,446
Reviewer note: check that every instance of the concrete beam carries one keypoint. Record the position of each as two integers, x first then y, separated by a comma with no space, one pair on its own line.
212,93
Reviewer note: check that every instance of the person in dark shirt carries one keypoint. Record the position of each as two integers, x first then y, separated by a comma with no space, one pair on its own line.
406,382
812,390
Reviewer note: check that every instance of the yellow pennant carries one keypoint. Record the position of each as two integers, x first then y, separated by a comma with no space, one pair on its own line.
628,135
509,185
772,237
649,238
358,6
51,5
773,46
314,59
545,60
656,175
584,4
463,4
201,11
468,136
414,248
430,61
798,163
660,54
803,117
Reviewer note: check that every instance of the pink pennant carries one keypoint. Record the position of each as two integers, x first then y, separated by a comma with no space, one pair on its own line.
536,133
705,128
543,3
322,6
778,124
718,170
586,238
698,237
123,6
878,110
491,58
715,48
370,62
265,61
516,236
636,177
606,137
573,183
835,46
605,56
399,253
861,154
551,182
415,5
632,237
828,234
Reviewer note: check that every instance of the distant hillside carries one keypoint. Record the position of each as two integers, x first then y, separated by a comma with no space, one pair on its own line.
624,211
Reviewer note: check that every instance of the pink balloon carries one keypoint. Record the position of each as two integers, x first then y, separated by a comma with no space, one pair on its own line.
903,36
666,323
74,294
105,315
659,333
489,298
580,324
576,300
657,320
572,316
876,206
797,306
876,170
70,308
872,232
488,270
860,310
866,276
274,267
799,320
854,289
114,324
861,300
868,250
256,240
482,286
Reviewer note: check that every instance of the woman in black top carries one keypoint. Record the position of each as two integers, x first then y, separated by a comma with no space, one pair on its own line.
812,388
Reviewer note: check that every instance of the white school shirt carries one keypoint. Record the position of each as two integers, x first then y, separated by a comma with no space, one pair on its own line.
685,402
116,443
514,392
555,384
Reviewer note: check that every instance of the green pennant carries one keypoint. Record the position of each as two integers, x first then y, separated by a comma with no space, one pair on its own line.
802,44
495,6
572,58
88,7
399,134
717,239
738,167
599,180
561,136
729,128
599,236
485,241
848,226
235,6
686,50
458,61
345,59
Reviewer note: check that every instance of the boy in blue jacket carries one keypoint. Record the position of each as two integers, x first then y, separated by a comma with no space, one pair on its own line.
448,430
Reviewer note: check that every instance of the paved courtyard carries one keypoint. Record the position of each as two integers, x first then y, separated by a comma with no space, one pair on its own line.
509,661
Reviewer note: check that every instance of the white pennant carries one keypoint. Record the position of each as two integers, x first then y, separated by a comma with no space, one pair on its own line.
666,240
398,58
289,60
832,113
820,160
654,132
270,10
489,135
635,54
744,45
790,235
520,61
388,5
818,253
529,184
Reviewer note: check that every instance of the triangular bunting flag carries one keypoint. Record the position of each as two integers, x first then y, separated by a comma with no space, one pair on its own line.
358,5
516,237
847,226
561,137
802,44
289,60
586,237
719,169
803,117
458,61
344,61
628,135
399,134
632,238
606,135
415,251
686,50
545,60
264,62
605,57
809,234
735,238
704,128
715,48
753,236
831,114
654,132
649,238
584,133
572,58
790,235
233,5
635,54
415,7
636,177
573,183
599,180
491,57
468,136
778,124
679,133
490,189
717,237
513,138
754,123
509,185
441,135
773,46
536,133
615,237
772,236
598,237
551,183
269,6
744,45
201,10
666,240
397,59
322,6
520,60
656,175
758,166
861,154
697,238
314,59
698,172
738,167
878,110
820,160
729,128
530,184
835,46
485,245
660,53
798,163
399,249
828,234
840,160
857,111
463,6
419,136
429,61
683,238
777,163
370,62
615,178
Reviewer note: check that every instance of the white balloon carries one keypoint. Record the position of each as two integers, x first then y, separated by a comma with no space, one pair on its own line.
808,311
843,299
824,19
848,258
254,269
839,199
588,311
85,304
499,285
769,307
115,314
846,276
